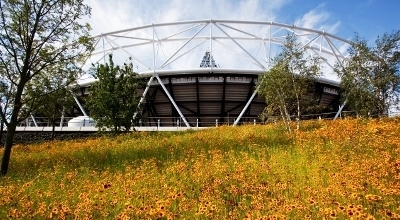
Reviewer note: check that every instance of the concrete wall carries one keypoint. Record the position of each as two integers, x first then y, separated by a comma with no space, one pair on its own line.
26,137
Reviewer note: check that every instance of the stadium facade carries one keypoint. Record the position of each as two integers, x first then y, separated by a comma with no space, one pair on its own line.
204,72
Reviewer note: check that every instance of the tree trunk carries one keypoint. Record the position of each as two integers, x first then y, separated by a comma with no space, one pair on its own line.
298,112
11,129
1,130
287,126
7,150
284,109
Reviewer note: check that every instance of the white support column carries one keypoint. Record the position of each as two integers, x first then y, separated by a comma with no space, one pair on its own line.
160,81
62,118
34,121
172,101
340,110
245,108
80,106
143,96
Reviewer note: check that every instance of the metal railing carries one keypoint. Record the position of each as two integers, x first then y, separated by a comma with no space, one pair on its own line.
176,121
60,122
193,121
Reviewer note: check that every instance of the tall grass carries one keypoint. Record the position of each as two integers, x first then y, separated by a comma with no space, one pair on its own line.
328,169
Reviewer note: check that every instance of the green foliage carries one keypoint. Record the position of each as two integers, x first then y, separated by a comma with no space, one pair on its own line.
113,100
52,104
370,79
285,86
48,96
40,41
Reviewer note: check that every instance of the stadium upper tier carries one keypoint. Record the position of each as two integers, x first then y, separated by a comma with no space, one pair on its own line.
206,70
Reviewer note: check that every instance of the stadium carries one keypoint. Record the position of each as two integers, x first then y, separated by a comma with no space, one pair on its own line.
204,72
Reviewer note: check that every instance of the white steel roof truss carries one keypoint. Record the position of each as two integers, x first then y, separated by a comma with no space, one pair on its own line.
336,49
236,53
182,54
258,50
244,32
129,54
132,38
161,46
183,45
254,59
149,41
308,43
86,58
102,57
180,32
276,31
333,50
324,60
278,40
267,52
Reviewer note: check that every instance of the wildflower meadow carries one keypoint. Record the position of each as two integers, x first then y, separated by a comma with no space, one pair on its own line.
343,169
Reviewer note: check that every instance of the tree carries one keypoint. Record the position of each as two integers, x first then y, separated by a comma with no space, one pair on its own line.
4,103
370,78
113,99
37,37
275,86
52,105
286,85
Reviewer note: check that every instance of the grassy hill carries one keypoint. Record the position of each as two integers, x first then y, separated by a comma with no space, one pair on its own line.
333,169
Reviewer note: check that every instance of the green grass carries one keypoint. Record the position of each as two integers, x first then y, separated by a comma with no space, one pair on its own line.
338,169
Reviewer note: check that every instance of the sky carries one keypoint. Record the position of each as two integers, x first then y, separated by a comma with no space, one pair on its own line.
344,18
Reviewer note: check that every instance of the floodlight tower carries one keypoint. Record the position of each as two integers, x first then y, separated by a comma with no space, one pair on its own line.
208,61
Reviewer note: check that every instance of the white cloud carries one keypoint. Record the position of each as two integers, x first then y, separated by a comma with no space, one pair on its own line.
318,18
114,15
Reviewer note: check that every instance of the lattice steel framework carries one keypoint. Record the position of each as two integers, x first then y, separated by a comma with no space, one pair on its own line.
240,47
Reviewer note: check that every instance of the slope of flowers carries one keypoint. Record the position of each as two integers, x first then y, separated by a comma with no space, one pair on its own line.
329,169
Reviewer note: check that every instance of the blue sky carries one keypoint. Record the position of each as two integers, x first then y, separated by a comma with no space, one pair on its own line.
343,18
368,18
